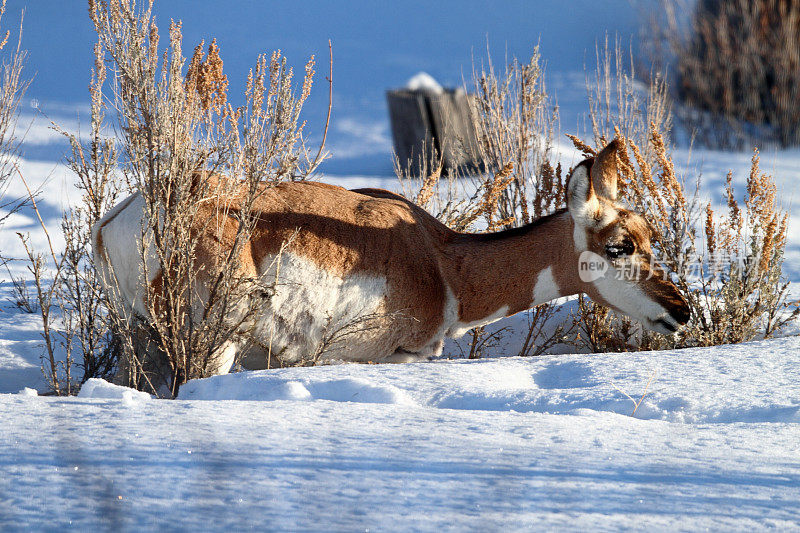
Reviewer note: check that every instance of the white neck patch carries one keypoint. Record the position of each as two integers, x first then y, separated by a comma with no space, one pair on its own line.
546,288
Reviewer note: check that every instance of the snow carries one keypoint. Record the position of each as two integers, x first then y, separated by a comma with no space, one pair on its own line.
269,387
99,388
423,81
512,443
729,385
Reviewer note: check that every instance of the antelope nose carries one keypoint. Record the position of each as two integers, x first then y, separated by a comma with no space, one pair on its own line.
680,313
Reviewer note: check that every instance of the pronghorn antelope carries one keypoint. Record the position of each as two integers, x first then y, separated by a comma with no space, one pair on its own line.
370,252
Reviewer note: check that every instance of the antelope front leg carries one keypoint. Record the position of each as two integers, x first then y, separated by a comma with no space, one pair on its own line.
429,352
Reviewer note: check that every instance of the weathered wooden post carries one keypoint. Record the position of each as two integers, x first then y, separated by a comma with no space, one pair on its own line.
427,121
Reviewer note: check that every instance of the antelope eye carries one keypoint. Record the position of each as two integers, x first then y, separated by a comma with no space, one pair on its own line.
615,251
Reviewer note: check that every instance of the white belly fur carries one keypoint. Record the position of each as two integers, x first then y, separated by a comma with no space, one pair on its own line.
313,310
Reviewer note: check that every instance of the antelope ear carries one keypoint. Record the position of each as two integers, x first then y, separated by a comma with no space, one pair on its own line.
604,171
582,202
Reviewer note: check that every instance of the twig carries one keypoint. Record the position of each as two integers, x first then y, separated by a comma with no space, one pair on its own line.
38,215
330,107
635,403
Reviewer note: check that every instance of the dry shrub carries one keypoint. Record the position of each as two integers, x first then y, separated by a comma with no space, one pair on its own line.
178,133
728,269
620,103
738,69
12,89
515,122
740,290
86,325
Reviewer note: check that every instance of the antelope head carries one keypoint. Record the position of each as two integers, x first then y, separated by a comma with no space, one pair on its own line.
616,266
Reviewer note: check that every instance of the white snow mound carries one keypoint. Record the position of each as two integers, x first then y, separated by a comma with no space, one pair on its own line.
424,82
100,388
265,386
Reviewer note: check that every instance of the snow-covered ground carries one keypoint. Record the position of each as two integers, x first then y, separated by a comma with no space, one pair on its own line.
503,444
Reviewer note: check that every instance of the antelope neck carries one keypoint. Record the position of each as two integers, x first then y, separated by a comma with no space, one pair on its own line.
513,269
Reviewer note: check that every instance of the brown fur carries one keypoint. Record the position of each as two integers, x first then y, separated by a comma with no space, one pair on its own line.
379,232
647,272
344,233
373,231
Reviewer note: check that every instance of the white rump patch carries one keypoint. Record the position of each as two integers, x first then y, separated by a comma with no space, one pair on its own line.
122,242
